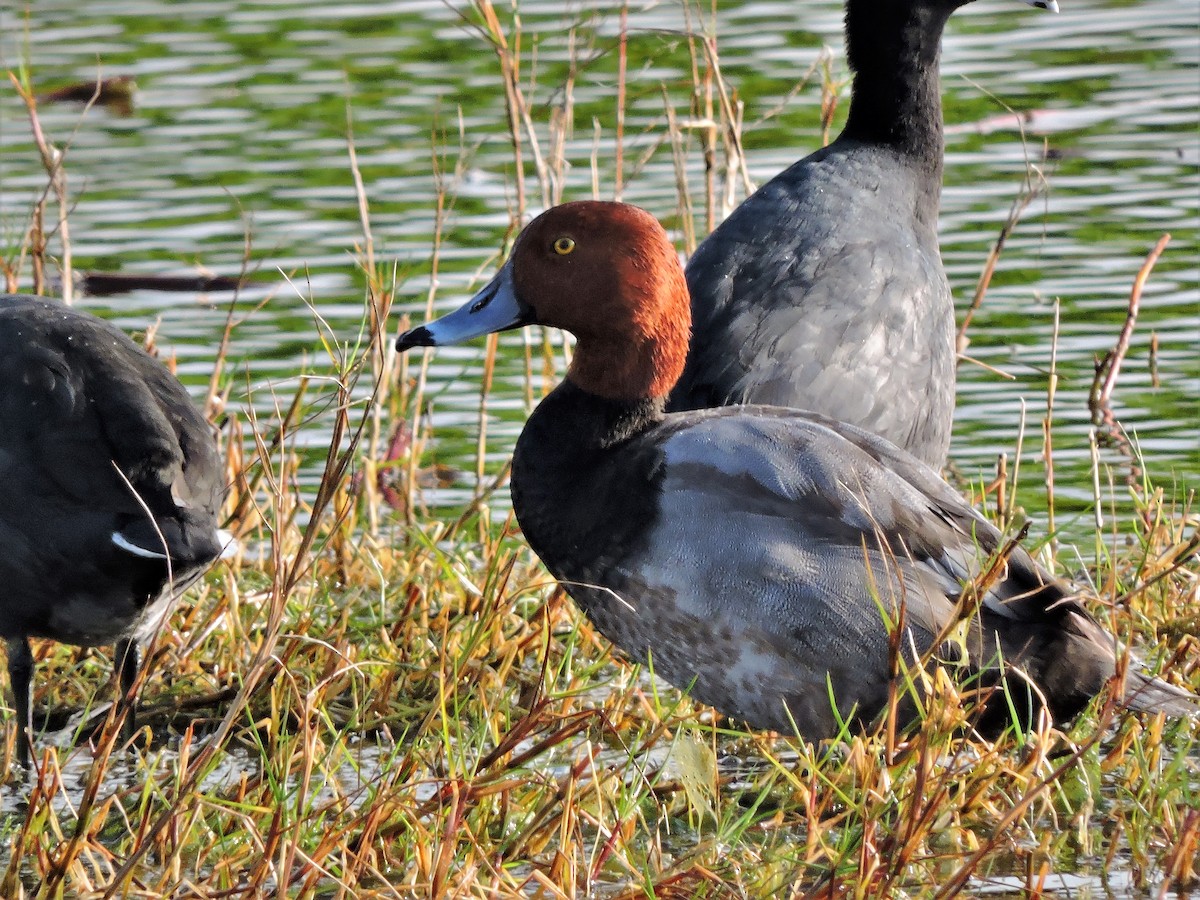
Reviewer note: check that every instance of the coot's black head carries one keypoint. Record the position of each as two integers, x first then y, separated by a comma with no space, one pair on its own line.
877,31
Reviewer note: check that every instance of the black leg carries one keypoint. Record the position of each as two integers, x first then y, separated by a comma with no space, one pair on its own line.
20,676
127,665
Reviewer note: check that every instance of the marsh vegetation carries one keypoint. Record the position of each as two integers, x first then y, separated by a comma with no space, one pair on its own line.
385,694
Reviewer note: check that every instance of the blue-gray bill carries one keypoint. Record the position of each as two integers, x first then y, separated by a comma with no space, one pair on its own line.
494,308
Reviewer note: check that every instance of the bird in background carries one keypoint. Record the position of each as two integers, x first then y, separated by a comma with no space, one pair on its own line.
825,289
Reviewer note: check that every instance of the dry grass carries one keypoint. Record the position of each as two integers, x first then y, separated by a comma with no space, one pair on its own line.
373,701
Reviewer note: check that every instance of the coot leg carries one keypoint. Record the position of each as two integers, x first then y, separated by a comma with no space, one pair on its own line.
126,658
20,676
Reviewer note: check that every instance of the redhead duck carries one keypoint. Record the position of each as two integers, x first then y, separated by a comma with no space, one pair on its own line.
110,482
825,289
752,553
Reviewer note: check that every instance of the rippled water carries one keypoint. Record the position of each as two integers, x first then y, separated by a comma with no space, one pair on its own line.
240,128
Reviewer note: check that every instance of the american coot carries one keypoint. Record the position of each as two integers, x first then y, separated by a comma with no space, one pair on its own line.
110,482
825,289
753,552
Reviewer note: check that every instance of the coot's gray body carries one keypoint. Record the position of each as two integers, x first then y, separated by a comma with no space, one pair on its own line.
825,290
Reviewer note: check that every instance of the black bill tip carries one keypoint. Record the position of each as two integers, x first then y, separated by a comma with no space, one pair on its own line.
415,337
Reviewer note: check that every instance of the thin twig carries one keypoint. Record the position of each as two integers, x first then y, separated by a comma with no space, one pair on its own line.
1030,190
1048,425
1107,370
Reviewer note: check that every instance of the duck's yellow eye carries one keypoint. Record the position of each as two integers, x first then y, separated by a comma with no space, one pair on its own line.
563,246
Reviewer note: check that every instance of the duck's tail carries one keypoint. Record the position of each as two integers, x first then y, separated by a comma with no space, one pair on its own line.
1072,662
1151,695
1143,692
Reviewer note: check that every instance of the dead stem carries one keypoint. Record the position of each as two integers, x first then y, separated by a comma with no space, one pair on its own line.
731,119
1108,368
1048,426
683,193
704,120
53,161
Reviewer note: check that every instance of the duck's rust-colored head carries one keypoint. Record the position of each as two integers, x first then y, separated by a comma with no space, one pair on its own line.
605,272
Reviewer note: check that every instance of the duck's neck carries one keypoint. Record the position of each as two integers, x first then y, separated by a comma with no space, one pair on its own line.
580,484
583,423
894,49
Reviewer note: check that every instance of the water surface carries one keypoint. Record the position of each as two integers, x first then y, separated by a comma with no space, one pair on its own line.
240,130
